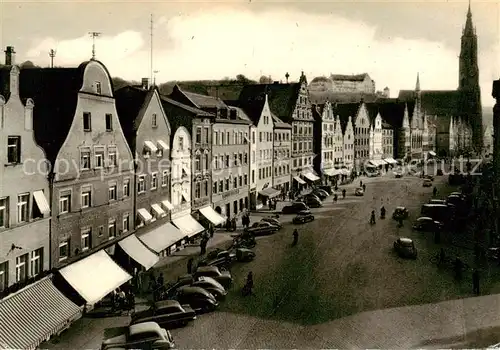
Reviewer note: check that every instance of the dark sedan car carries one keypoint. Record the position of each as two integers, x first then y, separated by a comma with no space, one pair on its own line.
211,286
223,277
167,313
199,299
405,248
262,228
427,224
320,194
294,208
272,221
303,217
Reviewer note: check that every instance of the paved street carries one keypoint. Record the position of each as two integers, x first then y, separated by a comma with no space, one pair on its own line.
342,286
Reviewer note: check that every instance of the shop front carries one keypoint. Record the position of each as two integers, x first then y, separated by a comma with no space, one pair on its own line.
310,177
298,184
282,183
267,194
231,203
332,176
212,216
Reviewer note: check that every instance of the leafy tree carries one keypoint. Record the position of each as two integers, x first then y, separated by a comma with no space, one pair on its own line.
265,80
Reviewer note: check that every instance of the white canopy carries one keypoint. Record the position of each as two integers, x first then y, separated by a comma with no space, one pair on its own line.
310,176
214,217
188,225
138,251
162,237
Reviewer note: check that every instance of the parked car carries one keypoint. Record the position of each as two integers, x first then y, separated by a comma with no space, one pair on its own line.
400,213
455,200
227,256
262,228
359,192
212,286
294,208
438,201
427,183
146,335
320,193
428,224
313,202
326,188
303,217
167,313
223,277
398,174
272,221
405,248
439,212
198,298
458,194
311,196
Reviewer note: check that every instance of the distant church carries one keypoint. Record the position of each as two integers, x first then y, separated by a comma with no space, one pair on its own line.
457,114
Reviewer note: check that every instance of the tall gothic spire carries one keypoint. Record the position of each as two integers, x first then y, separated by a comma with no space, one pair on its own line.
417,85
469,28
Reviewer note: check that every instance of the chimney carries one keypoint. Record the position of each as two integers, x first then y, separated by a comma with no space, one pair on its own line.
145,83
10,56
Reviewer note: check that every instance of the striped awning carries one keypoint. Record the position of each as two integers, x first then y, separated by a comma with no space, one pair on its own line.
30,316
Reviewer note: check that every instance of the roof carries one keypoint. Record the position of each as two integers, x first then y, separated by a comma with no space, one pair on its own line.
344,111
55,94
320,97
130,100
204,101
5,81
282,98
193,110
253,105
434,102
372,109
353,77
280,124
321,79
240,113
392,112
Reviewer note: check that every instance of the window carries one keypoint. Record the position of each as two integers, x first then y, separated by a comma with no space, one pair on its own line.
235,182
99,157
221,186
222,138
109,122
246,179
126,188
253,137
198,135
154,181
112,192
215,140
112,156
64,202
21,268
4,275
180,144
86,197
23,207
141,184
205,192
241,180
197,192
98,87
64,250
154,121
14,149
245,158
197,163
253,176
4,212
205,135
85,158
227,161
86,235
87,121
164,178
125,222
227,185
206,162
112,228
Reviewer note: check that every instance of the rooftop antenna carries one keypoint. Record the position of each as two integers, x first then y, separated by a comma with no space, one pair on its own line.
151,49
94,35
52,54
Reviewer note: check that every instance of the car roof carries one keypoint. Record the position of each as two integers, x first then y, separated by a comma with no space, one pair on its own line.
193,290
405,240
207,268
400,208
167,303
424,218
144,327
434,205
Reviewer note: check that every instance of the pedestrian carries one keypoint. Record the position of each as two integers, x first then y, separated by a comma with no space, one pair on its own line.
228,224
211,230
343,193
131,300
233,224
475,281
364,187
295,237
361,184
160,280
190,265
434,192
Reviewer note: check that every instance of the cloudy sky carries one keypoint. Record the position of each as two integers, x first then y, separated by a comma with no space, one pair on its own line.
392,41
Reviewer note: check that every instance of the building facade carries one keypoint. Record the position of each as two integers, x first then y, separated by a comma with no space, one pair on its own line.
348,143
377,132
24,206
353,83
338,146
282,154
361,137
252,191
387,141
181,172
92,165
324,145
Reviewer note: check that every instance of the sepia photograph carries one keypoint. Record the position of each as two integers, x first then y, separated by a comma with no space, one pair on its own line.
249,174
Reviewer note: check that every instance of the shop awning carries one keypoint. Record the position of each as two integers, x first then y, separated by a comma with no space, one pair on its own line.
42,202
378,162
331,172
151,146
310,176
163,145
188,225
390,160
345,171
158,210
95,276
214,217
167,205
162,237
432,153
144,215
31,315
299,180
269,192
138,251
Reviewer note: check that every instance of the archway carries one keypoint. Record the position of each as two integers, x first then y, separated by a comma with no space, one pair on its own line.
218,210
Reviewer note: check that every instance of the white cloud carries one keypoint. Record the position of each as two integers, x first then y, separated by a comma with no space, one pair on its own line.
224,43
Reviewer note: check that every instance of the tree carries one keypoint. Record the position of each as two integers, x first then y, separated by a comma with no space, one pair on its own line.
265,80
28,64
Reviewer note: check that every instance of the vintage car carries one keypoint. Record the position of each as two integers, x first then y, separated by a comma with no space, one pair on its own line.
400,213
398,174
200,299
294,208
223,277
303,217
167,313
438,201
405,248
262,228
223,258
429,177
359,192
207,283
427,224
312,201
326,188
272,221
320,193
147,335
427,183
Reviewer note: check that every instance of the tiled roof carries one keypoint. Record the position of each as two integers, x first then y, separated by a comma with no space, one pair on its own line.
280,124
282,97
344,111
372,109
392,112
434,102
55,93
253,105
5,81
320,97
130,100
204,101
321,79
345,77
194,111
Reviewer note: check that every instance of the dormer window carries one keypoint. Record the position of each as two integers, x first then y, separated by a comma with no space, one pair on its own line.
98,87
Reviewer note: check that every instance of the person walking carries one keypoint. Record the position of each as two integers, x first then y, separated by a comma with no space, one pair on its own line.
211,230
203,246
190,266
434,192
343,193
475,281
361,184
295,237
364,188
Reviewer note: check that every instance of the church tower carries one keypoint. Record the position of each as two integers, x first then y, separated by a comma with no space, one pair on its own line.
469,108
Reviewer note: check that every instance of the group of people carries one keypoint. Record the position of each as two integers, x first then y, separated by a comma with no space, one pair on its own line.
121,300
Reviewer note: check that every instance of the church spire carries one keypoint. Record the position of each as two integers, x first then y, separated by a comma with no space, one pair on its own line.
417,85
469,27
